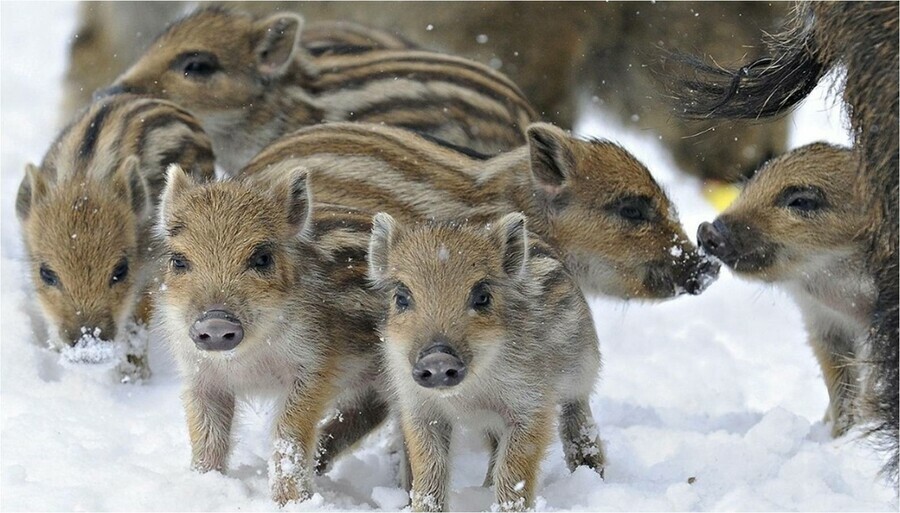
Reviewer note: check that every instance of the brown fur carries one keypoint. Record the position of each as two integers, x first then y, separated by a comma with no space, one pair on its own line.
341,36
864,37
816,251
559,52
574,193
307,315
258,82
509,311
86,213
300,421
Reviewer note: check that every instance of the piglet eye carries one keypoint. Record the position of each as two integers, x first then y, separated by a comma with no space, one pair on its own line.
120,272
634,209
198,68
198,65
631,213
48,276
803,199
481,297
179,263
402,298
804,204
262,260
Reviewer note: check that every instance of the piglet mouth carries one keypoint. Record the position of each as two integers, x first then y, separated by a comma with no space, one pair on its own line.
748,253
90,348
704,274
751,262
754,262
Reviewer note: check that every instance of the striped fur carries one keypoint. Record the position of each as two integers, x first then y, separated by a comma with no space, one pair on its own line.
157,131
347,37
264,83
559,53
86,212
308,317
529,345
574,193
449,97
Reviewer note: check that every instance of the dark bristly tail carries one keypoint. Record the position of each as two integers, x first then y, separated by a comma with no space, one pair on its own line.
767,87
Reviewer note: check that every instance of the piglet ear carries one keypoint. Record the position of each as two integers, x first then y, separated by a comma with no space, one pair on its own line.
178,182
552,160
278,43
512,237
34,186
299,200
383,228
292,190
130,185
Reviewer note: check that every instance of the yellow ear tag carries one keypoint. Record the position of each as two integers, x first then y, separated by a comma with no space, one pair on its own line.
720,194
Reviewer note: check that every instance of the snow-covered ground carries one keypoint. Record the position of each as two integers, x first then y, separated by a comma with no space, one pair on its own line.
705,403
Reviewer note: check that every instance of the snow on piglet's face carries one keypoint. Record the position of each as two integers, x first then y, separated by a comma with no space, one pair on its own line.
85,263
612,223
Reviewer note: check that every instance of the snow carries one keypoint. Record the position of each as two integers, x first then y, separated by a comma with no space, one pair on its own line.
704,403
443,253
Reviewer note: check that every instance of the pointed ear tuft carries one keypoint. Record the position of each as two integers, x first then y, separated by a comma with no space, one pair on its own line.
552,160
299,200
177,183
383,229
512,237
278,43
130,185
33,187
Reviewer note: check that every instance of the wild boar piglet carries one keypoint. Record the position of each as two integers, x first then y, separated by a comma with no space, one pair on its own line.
484,326
264,298
800,224
86,215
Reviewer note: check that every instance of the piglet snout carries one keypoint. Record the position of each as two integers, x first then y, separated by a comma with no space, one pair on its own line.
439,366
217,330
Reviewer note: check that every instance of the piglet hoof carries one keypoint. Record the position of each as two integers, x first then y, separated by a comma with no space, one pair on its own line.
288,474
840,417
841,425
322,464
135,366
202,467
285,492
514,505
134,369
590,455
424,503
